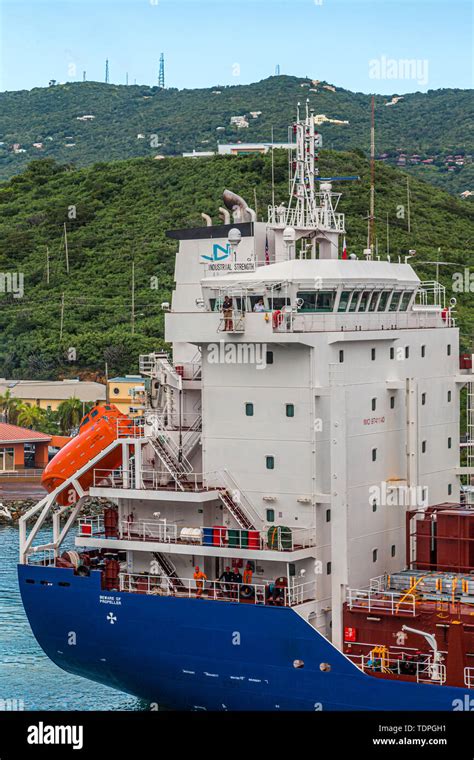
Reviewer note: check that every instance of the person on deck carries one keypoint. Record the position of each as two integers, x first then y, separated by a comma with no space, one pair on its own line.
259,306
199,577
248,573
226,579
227,312
237,580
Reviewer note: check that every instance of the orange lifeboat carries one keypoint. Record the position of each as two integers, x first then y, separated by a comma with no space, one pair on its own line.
98,429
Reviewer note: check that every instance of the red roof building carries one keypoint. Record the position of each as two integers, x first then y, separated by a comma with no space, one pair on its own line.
12,447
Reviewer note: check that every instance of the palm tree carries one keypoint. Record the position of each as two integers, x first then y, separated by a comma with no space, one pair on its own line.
31,416
70,413
10,407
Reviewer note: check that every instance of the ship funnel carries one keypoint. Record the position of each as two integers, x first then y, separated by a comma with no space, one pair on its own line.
240,211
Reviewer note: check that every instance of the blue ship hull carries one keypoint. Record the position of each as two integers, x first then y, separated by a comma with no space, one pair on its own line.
200,654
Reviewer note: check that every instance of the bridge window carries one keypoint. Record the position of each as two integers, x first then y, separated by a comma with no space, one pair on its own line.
373,300
307,300
279,303
354,301
344,300
253,301
394,302
364,300
383,300
406,300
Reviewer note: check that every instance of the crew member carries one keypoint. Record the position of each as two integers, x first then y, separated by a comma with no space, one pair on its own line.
199,577
259,306
227,576
248,573
227,312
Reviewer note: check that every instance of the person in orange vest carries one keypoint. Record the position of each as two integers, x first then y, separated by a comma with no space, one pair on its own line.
248,573
199,577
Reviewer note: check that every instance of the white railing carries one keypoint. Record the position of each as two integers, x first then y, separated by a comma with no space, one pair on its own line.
433,293
237,322
320,217
129,428
263,592
292,321
150,480
379,583
469,677
90,526
239,497
423,669
41,557
390,602
215,536
149,530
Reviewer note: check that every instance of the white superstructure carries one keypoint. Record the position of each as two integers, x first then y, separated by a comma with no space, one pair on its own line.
297,421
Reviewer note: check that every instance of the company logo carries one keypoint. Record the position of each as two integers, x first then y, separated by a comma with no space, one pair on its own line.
219,253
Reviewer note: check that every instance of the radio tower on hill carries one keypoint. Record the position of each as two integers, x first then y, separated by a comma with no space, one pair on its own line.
107,71
161,75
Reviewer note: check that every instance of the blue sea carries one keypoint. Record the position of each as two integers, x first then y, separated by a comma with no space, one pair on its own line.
28,679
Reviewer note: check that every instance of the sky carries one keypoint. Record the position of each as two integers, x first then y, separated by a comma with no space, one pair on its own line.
381,46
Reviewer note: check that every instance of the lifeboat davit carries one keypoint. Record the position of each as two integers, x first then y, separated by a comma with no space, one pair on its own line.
98,429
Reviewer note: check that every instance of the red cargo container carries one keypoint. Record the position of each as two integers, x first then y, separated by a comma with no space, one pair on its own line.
465,361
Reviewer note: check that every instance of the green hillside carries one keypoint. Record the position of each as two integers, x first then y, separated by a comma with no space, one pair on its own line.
122,212
171,121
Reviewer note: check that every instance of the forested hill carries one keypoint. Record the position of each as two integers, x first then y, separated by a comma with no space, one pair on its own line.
123,210
139,121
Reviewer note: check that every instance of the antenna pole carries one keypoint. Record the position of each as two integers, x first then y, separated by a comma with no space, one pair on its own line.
133,297
408,205
62,318
66,248
161,74
273,175
372,176
107,71
388,237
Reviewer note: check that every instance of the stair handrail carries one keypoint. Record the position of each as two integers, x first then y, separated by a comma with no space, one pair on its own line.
242,501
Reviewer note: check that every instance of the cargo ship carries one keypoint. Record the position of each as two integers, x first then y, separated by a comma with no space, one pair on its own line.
286,525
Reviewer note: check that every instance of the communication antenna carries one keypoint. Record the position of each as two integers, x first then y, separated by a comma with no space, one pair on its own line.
277,70
372,177
62,318
161,75
107,71
83,76
273,173
126,78
66,248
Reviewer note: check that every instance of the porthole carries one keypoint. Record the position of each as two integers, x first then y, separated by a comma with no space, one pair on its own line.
298,664
325,667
